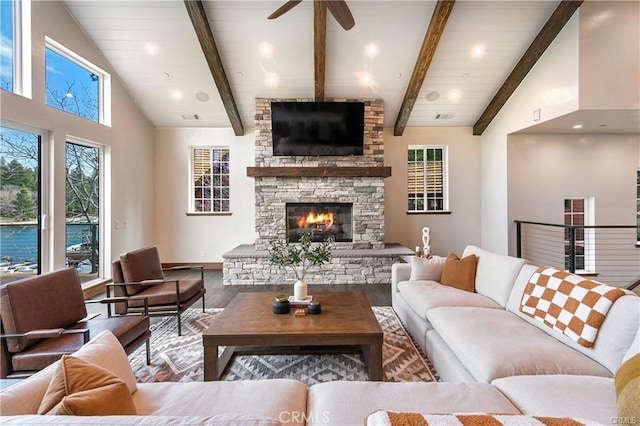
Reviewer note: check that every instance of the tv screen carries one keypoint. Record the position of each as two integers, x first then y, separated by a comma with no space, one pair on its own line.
317,128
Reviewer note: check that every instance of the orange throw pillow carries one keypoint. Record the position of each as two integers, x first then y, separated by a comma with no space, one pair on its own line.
81,388
460,273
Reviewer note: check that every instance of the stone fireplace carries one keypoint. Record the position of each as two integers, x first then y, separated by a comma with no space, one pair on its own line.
320,221
350,187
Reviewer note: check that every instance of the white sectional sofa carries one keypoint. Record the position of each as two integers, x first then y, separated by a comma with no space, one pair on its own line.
492,360
484,337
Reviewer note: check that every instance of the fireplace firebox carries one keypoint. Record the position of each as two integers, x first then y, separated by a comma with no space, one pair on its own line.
320,221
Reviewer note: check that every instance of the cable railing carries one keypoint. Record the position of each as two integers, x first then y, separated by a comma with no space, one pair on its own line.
608,253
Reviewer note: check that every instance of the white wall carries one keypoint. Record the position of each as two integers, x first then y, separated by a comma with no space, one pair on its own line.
449,233
128,142
552,86
610,55
182,238
545,169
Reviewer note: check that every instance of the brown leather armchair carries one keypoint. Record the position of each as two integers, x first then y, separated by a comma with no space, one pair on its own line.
44,317
140,273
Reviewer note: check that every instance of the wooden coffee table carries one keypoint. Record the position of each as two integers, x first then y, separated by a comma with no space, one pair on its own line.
247,325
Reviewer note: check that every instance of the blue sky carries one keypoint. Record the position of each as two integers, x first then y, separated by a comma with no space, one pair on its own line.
6,34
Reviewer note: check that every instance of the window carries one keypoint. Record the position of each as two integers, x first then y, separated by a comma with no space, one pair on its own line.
20,189
577,214
83,213
75,85
638,205
427,179
15,46
210,180
7,46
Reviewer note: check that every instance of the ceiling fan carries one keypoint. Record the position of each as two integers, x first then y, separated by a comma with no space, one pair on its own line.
338,9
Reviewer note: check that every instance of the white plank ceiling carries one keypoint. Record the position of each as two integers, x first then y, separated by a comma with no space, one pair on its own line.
164,83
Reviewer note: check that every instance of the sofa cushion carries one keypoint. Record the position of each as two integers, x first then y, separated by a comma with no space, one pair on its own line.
627,385
569,303
504,345
349,403
81,388
424,295
426,268
281,399
26,305
215,420
588,397
614,337
460,273
495,273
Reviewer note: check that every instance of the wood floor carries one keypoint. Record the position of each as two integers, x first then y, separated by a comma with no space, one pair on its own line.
219,296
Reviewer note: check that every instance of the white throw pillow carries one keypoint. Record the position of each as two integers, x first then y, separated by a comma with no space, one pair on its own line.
427,269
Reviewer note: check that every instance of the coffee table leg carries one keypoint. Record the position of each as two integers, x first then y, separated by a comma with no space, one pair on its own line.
211,363
372,355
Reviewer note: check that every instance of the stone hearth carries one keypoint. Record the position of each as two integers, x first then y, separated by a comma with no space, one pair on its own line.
364,259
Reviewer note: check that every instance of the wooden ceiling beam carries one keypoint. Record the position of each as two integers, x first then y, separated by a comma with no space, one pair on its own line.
439,19
200,23
543,40
319,47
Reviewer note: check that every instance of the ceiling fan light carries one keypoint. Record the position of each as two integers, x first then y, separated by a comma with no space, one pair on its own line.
266,50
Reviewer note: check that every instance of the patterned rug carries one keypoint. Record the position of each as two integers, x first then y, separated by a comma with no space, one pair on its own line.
180,358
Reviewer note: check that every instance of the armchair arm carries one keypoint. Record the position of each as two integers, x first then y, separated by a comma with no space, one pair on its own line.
122,299
48,333
186,267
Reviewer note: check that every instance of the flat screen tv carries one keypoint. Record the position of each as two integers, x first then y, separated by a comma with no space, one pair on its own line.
317,128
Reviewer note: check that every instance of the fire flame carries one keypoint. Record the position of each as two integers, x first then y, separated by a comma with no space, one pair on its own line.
311,219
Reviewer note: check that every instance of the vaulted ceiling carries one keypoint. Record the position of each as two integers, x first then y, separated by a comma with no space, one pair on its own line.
434,63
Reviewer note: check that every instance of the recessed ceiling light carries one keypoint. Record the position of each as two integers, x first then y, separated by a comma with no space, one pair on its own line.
477,51
177,94
366,79
455,94
271,80
202,96
577,126
151,49
371,50
433,96
266,50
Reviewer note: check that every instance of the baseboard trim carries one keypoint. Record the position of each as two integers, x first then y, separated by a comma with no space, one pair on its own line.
206,265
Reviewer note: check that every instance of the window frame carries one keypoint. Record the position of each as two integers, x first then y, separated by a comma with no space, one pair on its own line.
445,178
45,199
104,246
191,211
21,48
588,241
104,79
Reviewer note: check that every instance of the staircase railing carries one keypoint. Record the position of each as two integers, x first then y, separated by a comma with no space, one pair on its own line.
609,253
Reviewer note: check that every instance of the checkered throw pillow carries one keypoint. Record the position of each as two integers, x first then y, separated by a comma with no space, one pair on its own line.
568,303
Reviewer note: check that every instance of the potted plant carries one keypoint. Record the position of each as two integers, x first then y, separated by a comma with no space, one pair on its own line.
299,257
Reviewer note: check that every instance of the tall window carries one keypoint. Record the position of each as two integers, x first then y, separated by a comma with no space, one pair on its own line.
20,222
83,185
578,213
210,180
426,179
75,85
6,48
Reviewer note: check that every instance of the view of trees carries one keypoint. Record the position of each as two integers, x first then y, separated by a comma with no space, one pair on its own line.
19,174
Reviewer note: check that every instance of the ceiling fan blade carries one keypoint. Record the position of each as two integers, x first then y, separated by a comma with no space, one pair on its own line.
341,12
290,4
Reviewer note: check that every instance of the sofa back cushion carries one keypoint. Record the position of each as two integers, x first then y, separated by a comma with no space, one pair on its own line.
52,300
140,265
495,273
614,335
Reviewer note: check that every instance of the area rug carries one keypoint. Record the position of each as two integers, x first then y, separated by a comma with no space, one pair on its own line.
180,358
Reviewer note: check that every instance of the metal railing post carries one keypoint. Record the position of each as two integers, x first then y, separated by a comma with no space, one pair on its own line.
572,248
518,239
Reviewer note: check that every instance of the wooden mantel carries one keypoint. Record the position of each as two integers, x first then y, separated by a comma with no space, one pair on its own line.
319,171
